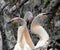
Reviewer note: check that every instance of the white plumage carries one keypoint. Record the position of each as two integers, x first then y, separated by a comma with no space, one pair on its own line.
24,41
28,16
37,28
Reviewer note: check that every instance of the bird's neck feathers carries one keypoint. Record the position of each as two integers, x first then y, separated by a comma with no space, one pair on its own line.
20,33
24,37
41,32
37,21
28,38
34,24
38,29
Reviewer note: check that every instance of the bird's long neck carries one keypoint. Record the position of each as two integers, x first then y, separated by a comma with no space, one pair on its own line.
24,37
38,29
20,34
28,38
20,31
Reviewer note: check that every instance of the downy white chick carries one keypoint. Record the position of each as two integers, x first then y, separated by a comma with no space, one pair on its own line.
37,28
24,41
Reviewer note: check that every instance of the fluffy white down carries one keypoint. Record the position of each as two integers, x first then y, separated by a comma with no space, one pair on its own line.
28,15
44,37
22,42
18,47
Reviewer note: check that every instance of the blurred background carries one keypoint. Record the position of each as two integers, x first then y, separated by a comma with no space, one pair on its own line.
17,8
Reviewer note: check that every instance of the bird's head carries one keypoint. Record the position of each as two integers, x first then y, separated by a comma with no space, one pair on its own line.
42,16
28,16
18,20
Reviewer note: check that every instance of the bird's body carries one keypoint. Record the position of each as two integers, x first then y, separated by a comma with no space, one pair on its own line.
22,45
42,34
28,17
24,41
37,28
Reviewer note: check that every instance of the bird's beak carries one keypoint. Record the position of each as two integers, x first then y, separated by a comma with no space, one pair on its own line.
14,20
47,13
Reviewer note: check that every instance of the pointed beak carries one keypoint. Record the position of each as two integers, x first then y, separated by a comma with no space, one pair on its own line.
47,13
14,20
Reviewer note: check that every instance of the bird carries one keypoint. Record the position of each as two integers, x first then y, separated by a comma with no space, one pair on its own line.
24,41
37,28
28,17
